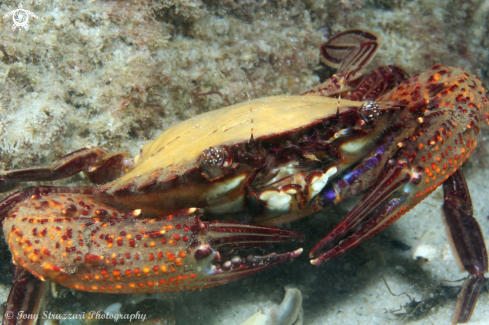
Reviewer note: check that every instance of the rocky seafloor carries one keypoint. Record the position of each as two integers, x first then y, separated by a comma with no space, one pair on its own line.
115,74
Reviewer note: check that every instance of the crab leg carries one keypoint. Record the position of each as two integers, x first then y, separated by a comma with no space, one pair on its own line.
350,52
98,164
468,241
86,245
28,295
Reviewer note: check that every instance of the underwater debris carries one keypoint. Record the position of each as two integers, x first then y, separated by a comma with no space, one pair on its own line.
434,297
289,312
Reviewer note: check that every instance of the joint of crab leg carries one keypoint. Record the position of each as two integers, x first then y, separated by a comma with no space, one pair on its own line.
463,229
466,237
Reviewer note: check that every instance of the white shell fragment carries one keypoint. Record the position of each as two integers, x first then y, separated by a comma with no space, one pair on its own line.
446,253
426,252
289,312
113,309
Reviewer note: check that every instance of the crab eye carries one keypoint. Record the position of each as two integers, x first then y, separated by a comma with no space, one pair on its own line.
215,162
370,111
214,157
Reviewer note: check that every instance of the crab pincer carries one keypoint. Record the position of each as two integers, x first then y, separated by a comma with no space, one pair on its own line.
84,244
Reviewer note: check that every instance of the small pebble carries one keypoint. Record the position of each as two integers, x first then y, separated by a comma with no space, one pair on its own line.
426,252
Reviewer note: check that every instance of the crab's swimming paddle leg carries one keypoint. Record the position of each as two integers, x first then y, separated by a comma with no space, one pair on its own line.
468,241
98,164
349,52
28,294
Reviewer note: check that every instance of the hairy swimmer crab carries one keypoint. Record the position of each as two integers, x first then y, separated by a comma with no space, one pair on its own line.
391,137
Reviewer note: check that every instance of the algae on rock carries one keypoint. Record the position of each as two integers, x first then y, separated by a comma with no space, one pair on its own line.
115,74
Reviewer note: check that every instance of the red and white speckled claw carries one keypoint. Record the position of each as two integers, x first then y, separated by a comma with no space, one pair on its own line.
84,244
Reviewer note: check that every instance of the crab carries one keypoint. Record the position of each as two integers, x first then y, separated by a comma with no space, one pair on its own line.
153,222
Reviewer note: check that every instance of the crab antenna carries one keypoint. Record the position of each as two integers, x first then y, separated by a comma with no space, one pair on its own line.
251,109
341,80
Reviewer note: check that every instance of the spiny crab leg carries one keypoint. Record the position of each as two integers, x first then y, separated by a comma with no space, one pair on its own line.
86,245
468,241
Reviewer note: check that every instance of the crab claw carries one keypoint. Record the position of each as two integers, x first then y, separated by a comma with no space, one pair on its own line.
218,240
84,244
384,203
